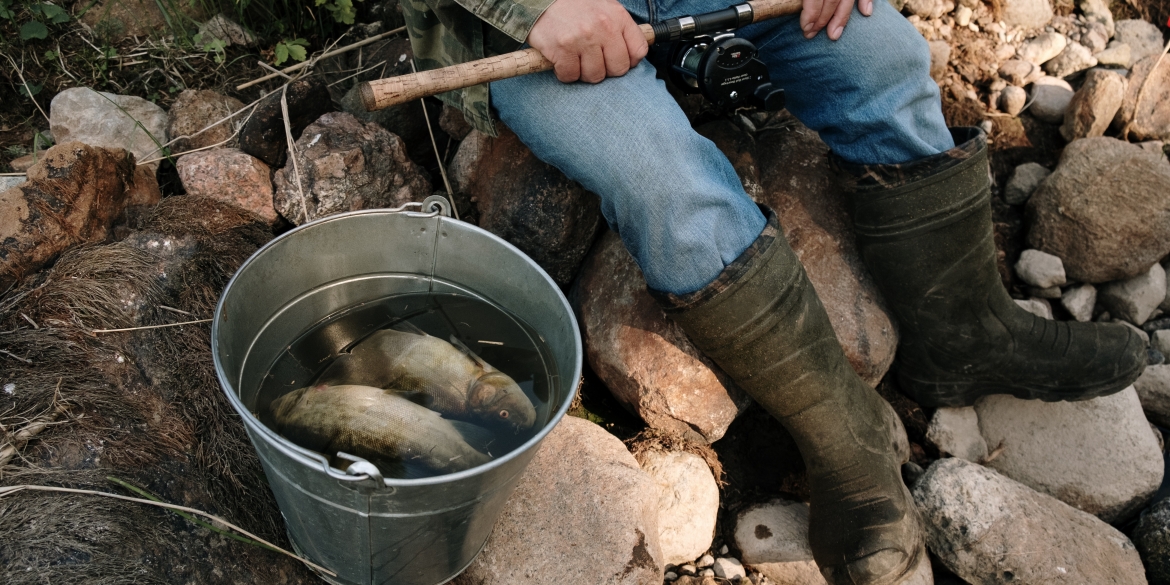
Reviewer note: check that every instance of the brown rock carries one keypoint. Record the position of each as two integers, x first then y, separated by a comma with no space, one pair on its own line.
194,110
453,123
940,54
1149,118
25,162
1094,105
263,135
583,510
143,190
72,197
123,19
1020,72
801,187
531,204
229,175
346,165
1105,210
645,359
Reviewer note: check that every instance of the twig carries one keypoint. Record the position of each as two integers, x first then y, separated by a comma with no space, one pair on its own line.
32,429
174,310
12,174
995,453
7,490
300,66
96,331
292,151
358,72
209,146
431,131
16,357
30,321
273,69
27,89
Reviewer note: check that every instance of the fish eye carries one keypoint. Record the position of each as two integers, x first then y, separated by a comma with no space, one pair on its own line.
505,414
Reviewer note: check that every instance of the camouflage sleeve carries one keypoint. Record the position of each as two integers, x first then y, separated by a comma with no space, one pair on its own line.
514,18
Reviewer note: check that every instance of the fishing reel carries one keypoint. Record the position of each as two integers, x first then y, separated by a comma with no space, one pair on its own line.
723,68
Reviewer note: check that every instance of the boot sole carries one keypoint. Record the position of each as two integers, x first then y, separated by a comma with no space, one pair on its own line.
951,394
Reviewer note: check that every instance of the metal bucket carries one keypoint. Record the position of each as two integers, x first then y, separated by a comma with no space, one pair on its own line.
365,528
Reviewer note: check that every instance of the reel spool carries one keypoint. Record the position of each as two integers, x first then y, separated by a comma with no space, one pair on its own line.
723,68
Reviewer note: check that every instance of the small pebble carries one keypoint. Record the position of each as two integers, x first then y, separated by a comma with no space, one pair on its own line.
705,561
687,569
1154,357
707,573
986,126
670,576
729,568
1156,324
9,388
723,550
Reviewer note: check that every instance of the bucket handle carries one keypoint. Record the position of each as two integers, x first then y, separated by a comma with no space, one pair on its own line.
359,472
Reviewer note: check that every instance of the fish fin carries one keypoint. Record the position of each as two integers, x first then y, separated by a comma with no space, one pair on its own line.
336,373
476,436
415,396
471,354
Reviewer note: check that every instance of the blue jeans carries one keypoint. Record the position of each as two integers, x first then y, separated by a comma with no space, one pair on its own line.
668,192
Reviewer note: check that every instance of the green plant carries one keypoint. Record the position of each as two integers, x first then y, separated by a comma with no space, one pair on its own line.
294,49
41,13
215,46
342,10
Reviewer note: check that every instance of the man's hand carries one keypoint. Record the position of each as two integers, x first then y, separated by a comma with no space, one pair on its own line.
589,40
815,14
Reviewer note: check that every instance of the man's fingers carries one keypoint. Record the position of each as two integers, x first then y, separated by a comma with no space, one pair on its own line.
828,11
568,68
809,12
840,17
636,45
592,65
865,7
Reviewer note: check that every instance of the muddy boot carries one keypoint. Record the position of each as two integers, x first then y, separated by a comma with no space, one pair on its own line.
924,231
762,322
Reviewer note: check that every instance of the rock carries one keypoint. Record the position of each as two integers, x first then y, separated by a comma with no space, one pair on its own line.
773,539
222,28
926,9
963,16
987,528
229,175
1023,182
704,561
1040,269
940,54
1079,301
728,568
195,110
1141,332
1097,11
1143,37
1094,105
112,121
1095,39
955,431
115,20
72,197
1153,388
143,190
1155,146
1117,55
1096,455
1152,539
799,184
1020,72
1027,13
346,165
1052,292
1149,119
1012,100
644,359
1037,307
582,508
1160,340
263,135
7,183
25,162
1050,99
1074,58
527,202
688,503
452,122
1042,48
1135,299
1105,210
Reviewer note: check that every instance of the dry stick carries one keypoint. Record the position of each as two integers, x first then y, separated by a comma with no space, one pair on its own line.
273,69
358,72
206,128
1142,90
16,357
4,491
26,88
29,431
292,150
300,66
96,331
443,172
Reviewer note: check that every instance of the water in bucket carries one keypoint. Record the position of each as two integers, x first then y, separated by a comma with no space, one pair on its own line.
399,429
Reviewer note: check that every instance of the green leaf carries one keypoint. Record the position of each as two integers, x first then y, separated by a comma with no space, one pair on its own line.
281,51
33,30
55,14
31,89
297,52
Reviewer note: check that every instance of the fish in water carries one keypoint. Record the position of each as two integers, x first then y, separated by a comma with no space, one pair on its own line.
377,425
447,379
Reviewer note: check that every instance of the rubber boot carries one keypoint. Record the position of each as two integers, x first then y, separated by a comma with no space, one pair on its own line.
924,230
762,322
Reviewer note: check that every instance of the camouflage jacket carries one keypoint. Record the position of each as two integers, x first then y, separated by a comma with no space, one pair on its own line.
447,32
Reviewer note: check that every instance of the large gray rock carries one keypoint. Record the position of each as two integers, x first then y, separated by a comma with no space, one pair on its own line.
955,431
583,508
345,165
1142,37
644,358
1153,388
1098,455
1026,13
1105,210
1147,118
989,529
1050,99
1094,105
104,119
1135,299
527,202
229,175
1152,539
1098,11
1042,48
1074,58
688,503
195,110
1023,182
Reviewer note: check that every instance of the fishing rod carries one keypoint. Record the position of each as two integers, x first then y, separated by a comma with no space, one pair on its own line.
707,58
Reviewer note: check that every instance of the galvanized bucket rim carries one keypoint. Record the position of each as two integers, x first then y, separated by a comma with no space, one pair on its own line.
313,459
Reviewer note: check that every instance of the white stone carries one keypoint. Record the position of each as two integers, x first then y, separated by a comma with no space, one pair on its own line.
955,431
1096,455
989,529
670,576
1026,13
688,504
1135,299
1040,269
7,183
1042,48
705,561
1117,55
773,539
1160,340
1024,180
1143,38
963,15
222,28
108,120
1050,99
1074,58
1080,300
707,573
1037,307
729,568
1098,11
1012,100
1153,388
